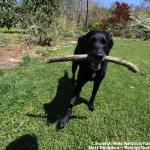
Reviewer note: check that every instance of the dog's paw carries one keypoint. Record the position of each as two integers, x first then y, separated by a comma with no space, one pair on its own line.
91,107
65,120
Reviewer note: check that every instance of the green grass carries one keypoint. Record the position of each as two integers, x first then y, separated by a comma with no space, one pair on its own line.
122,104
11,37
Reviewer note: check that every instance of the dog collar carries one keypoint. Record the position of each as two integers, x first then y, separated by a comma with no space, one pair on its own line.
94,75
98,67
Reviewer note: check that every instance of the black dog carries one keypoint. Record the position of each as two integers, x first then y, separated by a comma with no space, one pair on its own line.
96,44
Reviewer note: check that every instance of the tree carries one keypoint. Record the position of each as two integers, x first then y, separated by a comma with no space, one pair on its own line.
87,13
79,11
141,20
37,17
118,19
8,15
147,1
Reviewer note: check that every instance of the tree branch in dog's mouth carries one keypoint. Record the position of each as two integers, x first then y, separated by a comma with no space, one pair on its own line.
82,57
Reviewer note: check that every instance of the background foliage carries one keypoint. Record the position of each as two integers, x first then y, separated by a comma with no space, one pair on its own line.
49,19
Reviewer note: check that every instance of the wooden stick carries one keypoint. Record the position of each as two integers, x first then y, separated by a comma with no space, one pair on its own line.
82,57
68,58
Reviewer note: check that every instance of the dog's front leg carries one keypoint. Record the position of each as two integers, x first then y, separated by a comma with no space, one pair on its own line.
95,89
96,86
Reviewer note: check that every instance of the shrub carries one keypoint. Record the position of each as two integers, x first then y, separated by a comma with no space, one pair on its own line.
118,20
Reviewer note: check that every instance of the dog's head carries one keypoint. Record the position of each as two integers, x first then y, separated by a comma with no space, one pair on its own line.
96,44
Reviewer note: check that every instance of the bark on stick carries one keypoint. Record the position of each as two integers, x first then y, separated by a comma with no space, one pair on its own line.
82,57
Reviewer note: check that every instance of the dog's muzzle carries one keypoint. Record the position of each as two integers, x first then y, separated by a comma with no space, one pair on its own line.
97,61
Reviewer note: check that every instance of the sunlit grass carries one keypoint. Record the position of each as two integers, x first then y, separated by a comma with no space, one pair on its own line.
122,104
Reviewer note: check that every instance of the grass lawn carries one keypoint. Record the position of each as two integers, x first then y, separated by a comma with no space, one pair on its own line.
32,95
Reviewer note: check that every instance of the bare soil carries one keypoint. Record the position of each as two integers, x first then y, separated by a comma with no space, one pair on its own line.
11,56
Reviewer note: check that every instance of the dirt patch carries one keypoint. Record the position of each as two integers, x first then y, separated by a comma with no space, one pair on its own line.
11,56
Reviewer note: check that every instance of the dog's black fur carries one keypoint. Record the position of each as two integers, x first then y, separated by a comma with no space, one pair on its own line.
97,44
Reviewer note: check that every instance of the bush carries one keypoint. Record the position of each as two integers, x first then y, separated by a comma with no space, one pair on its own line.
94,25
147,34
26,59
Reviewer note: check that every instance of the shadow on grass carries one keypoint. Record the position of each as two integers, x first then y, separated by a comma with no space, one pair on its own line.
25,142
57,107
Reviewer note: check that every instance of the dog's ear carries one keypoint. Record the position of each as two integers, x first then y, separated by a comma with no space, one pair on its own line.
110,35
111,43
81,41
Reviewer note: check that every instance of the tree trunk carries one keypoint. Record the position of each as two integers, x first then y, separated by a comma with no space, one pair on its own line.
87,13
79,12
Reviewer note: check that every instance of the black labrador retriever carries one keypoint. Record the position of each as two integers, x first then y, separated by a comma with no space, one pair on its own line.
96,44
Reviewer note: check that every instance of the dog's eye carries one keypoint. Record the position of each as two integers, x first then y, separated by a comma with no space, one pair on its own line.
103,41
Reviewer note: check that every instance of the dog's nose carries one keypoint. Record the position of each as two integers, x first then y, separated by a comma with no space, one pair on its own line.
99,56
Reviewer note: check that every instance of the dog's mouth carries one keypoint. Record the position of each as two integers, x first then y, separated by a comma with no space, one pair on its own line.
96,60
